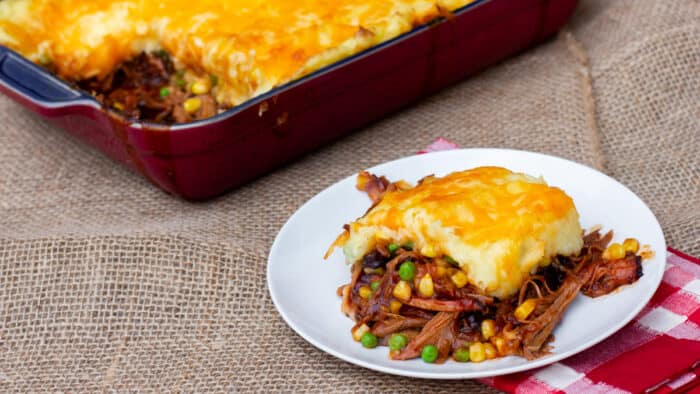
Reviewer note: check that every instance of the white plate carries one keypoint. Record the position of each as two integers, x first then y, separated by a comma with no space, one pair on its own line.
303,285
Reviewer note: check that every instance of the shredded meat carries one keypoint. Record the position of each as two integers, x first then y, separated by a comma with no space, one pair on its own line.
380,300
460,305
348,306
595,242
374,186
207,109
396,324
409,311
440,331
452,317
147,87
608,276
537,332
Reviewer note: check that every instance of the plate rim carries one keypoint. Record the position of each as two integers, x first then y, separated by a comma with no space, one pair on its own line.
544,361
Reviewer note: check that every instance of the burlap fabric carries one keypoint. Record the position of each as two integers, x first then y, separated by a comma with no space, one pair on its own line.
108,283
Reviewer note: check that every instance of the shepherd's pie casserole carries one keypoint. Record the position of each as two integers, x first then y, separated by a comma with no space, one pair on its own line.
175,60
475,265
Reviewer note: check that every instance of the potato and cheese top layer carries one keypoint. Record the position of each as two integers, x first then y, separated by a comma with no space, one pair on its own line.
250,45
499,226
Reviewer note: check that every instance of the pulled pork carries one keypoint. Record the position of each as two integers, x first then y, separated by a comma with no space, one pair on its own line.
454,318
148,87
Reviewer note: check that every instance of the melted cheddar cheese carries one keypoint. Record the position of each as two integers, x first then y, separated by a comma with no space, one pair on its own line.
250,45
499,226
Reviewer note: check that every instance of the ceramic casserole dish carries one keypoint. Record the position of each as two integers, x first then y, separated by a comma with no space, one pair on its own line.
205,158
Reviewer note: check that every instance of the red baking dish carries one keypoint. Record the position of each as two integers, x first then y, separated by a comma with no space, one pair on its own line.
202,159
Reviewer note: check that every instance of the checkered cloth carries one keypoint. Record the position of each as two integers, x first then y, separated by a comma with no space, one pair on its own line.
659,349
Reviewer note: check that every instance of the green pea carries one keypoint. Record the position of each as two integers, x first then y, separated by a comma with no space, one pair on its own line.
461,355
374,285
429,353
213,79
397,341
369,340
163,54
164,92
408,245
392,248
407,270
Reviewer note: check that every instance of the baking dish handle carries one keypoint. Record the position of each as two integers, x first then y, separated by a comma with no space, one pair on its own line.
31,81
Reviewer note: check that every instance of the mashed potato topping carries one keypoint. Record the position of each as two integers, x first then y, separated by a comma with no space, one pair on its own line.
251,46
497,225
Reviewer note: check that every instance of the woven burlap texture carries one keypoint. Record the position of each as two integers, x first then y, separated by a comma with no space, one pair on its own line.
108,283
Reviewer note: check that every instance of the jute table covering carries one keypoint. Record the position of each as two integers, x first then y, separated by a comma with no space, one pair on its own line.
108,283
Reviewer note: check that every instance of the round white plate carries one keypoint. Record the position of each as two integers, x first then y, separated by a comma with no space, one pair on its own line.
303,285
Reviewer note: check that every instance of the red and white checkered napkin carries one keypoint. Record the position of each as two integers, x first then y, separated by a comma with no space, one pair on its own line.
659,349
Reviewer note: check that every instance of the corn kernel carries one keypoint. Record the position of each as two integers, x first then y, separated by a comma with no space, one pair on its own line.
477,353
646,252
490,351
365,292
362,180
395,306
525,309
631,245
402,291
192,105
614,251
200,87
443,267
441,271
442,263
425,286
428,251
488,329
375,271
460,279
359,332
500,345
